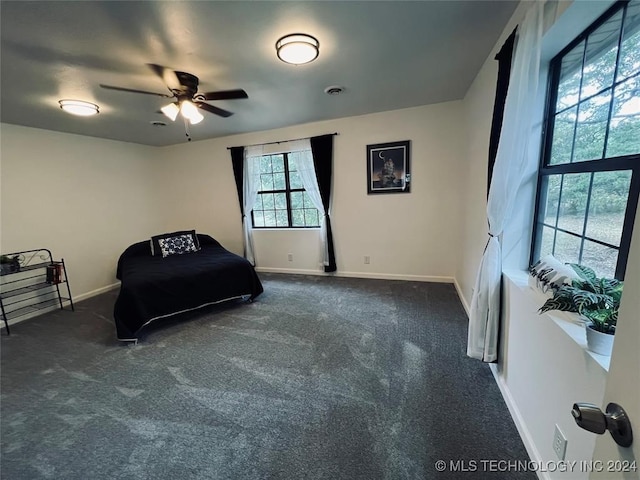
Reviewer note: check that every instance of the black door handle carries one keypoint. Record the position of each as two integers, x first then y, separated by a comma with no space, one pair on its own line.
591,418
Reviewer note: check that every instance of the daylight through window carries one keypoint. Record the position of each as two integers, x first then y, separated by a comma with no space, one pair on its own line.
282,200
590,171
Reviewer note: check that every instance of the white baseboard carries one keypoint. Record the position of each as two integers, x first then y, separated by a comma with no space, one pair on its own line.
525,435
97,291
463,300
378,276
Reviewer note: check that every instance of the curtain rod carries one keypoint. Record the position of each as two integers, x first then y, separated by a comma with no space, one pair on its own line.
283,141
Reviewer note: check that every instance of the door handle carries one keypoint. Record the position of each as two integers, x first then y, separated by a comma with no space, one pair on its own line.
591,418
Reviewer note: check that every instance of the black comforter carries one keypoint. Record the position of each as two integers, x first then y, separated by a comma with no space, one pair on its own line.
154,287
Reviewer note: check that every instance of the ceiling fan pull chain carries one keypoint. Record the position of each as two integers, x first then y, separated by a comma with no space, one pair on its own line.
186,129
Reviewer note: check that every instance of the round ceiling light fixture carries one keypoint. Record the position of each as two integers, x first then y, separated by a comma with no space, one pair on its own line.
297,48
79,107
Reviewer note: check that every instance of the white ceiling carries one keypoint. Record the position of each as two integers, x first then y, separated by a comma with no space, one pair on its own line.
386,54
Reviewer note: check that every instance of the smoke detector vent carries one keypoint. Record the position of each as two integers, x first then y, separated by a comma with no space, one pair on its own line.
334,90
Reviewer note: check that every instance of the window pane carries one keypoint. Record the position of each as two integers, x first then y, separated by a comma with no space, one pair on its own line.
567,248
563,136
277,163
624,131
279,182
629,62
265,165
267,201
282,220
600,57
307,201
269,218
602,259
280,200
266,182
259,205
608,203
258,218
297,218
311,217
294,179
573,204
570,74
297,200
550,191
546,245
592,126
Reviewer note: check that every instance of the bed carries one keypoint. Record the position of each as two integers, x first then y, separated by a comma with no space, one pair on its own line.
155,286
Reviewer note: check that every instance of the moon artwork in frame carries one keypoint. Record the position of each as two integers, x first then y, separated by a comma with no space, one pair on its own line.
388,168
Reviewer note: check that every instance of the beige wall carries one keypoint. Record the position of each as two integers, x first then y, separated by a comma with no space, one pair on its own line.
83,198
415,235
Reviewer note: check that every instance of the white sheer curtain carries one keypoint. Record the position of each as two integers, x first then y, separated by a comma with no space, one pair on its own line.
300,152
516,144
250,188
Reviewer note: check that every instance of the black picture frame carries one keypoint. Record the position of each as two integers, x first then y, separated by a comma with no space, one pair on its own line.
388,167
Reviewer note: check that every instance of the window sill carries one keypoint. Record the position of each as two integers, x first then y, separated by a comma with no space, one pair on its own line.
285,229
568,322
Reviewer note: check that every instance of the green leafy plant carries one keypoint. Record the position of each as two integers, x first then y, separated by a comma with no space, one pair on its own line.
597,299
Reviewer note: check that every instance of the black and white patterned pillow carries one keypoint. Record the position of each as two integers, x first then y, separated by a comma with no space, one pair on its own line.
177,245
155,245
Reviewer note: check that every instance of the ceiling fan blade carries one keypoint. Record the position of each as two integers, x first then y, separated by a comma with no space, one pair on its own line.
225,95
133,90
168,76
214,110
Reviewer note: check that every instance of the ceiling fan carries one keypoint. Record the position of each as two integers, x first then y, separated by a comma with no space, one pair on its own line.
184,90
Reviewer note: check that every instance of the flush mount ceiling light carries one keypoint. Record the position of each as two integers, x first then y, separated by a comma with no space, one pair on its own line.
79,107
297,48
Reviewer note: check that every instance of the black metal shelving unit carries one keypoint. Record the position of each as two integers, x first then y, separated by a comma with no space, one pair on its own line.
32,282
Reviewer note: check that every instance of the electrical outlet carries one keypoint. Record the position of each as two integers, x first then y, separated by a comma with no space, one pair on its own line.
559,443
367,259
290,257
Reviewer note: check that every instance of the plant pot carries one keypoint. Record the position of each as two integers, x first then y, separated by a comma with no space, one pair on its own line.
598,342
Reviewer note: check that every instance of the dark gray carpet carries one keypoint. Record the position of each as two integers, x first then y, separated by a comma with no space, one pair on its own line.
320,378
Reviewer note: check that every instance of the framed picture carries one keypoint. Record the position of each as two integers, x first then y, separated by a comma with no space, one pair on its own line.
388,168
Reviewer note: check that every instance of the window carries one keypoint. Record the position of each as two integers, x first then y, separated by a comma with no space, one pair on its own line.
282,200
589,178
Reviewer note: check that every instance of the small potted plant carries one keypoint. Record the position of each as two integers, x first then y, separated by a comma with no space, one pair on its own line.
595,299
9,264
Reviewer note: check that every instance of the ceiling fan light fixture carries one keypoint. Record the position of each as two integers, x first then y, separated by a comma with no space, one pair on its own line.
196,118
297,48
79,107
171,111
190,112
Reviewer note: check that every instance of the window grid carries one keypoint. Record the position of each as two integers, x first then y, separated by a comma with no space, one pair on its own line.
287,191
548,170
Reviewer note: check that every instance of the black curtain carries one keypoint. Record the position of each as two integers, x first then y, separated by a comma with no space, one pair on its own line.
237,159
504,57
322,150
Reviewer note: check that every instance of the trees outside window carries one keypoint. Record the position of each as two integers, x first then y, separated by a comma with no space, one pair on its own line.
282,200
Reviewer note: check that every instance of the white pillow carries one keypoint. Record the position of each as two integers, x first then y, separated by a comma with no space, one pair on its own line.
550,273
